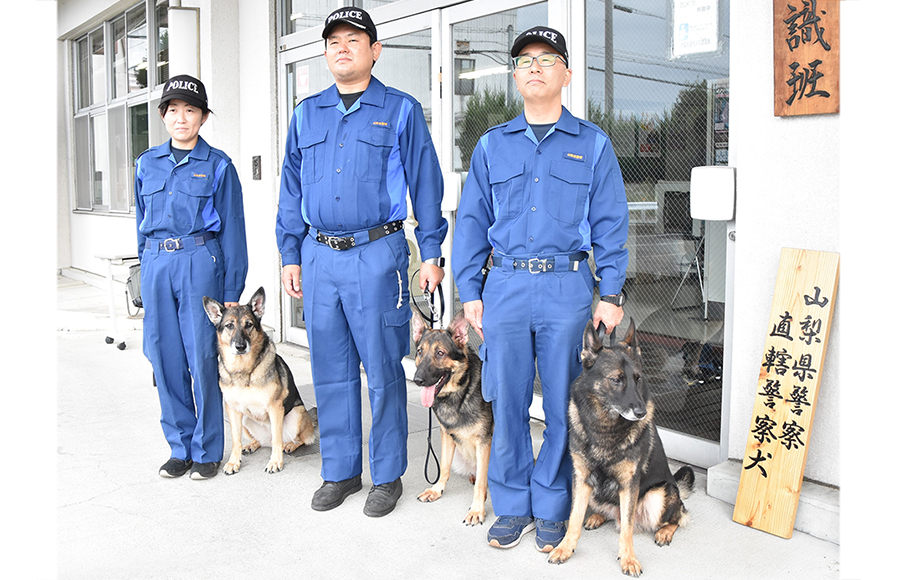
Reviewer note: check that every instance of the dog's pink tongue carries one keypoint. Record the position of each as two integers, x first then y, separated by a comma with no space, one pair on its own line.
428,396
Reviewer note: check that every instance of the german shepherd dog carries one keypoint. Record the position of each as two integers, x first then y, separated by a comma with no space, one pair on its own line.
260,395
620,467
449,372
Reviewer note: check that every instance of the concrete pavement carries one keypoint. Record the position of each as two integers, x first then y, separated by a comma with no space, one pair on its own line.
118,519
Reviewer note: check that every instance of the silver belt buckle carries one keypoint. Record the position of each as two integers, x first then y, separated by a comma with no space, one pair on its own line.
537,265
171,244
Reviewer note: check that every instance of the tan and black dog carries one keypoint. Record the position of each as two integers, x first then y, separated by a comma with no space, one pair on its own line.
620,467
449,372
260,395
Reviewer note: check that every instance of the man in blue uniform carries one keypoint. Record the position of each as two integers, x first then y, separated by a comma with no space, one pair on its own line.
352,151
192,243
543,189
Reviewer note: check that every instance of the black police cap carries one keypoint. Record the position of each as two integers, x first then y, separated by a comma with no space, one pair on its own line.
353,16
544,34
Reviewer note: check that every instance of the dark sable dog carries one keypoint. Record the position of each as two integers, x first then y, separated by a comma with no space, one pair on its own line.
620,466
449,373
259,391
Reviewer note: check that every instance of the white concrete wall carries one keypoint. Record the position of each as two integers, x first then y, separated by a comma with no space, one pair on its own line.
259,136
63,167
237,65
788,192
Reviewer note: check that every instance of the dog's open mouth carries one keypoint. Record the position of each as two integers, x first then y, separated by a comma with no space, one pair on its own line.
429,393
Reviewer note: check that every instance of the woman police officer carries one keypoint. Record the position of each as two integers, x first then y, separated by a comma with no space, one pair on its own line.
192,243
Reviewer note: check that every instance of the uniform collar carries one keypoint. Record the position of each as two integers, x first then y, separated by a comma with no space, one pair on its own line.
566,123
373,95
200,150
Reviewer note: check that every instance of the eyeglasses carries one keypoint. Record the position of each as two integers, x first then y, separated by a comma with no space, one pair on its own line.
545,59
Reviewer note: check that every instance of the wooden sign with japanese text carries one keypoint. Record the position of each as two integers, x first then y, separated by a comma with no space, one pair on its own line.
786,391
807,57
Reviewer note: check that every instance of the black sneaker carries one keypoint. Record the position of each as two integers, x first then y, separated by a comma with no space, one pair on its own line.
175,467
333,493
382,499
204,470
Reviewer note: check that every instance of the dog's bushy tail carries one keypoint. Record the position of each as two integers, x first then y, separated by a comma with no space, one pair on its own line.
684,479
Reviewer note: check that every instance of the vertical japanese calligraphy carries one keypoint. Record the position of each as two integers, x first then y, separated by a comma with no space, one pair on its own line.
807,56
786,390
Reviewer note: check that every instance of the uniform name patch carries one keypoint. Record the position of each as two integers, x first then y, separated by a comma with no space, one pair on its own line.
203,175
574,156
380,123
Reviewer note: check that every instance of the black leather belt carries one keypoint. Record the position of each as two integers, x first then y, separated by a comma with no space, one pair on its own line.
541,265
354,240
172,244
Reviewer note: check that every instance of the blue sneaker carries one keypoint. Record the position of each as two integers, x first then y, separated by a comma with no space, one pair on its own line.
507,531
549,534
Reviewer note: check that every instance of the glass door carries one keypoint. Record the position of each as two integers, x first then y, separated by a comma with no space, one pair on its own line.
663,115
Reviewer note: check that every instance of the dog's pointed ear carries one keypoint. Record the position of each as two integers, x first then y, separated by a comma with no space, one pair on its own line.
418,325
258,303
459,329
591,345
631,340
214,310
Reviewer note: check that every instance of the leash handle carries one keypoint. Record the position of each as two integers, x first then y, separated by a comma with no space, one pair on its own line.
434,316
431,454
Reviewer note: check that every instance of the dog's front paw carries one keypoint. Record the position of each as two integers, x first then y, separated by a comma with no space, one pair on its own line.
474,517
430,495
630,565
232,467
561,553
274,466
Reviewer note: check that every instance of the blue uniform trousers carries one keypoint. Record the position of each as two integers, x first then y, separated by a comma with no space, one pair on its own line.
180,342
530,317
356,308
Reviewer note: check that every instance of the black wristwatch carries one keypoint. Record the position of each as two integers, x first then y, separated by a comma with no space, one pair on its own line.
439,262
616,299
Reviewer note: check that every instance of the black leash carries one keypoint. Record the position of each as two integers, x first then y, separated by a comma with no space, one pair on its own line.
431,454
433,316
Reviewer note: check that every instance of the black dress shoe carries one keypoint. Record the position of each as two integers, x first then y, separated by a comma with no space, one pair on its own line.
204,470
175,467
382,499
333,493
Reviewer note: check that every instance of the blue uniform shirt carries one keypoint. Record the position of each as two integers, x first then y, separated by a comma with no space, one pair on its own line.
200,194
348,171
526,199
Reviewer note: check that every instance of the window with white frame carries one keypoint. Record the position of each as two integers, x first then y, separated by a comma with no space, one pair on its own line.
118,68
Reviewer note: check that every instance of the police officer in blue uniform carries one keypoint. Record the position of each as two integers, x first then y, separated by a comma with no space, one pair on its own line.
542,190
192,243
352,151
